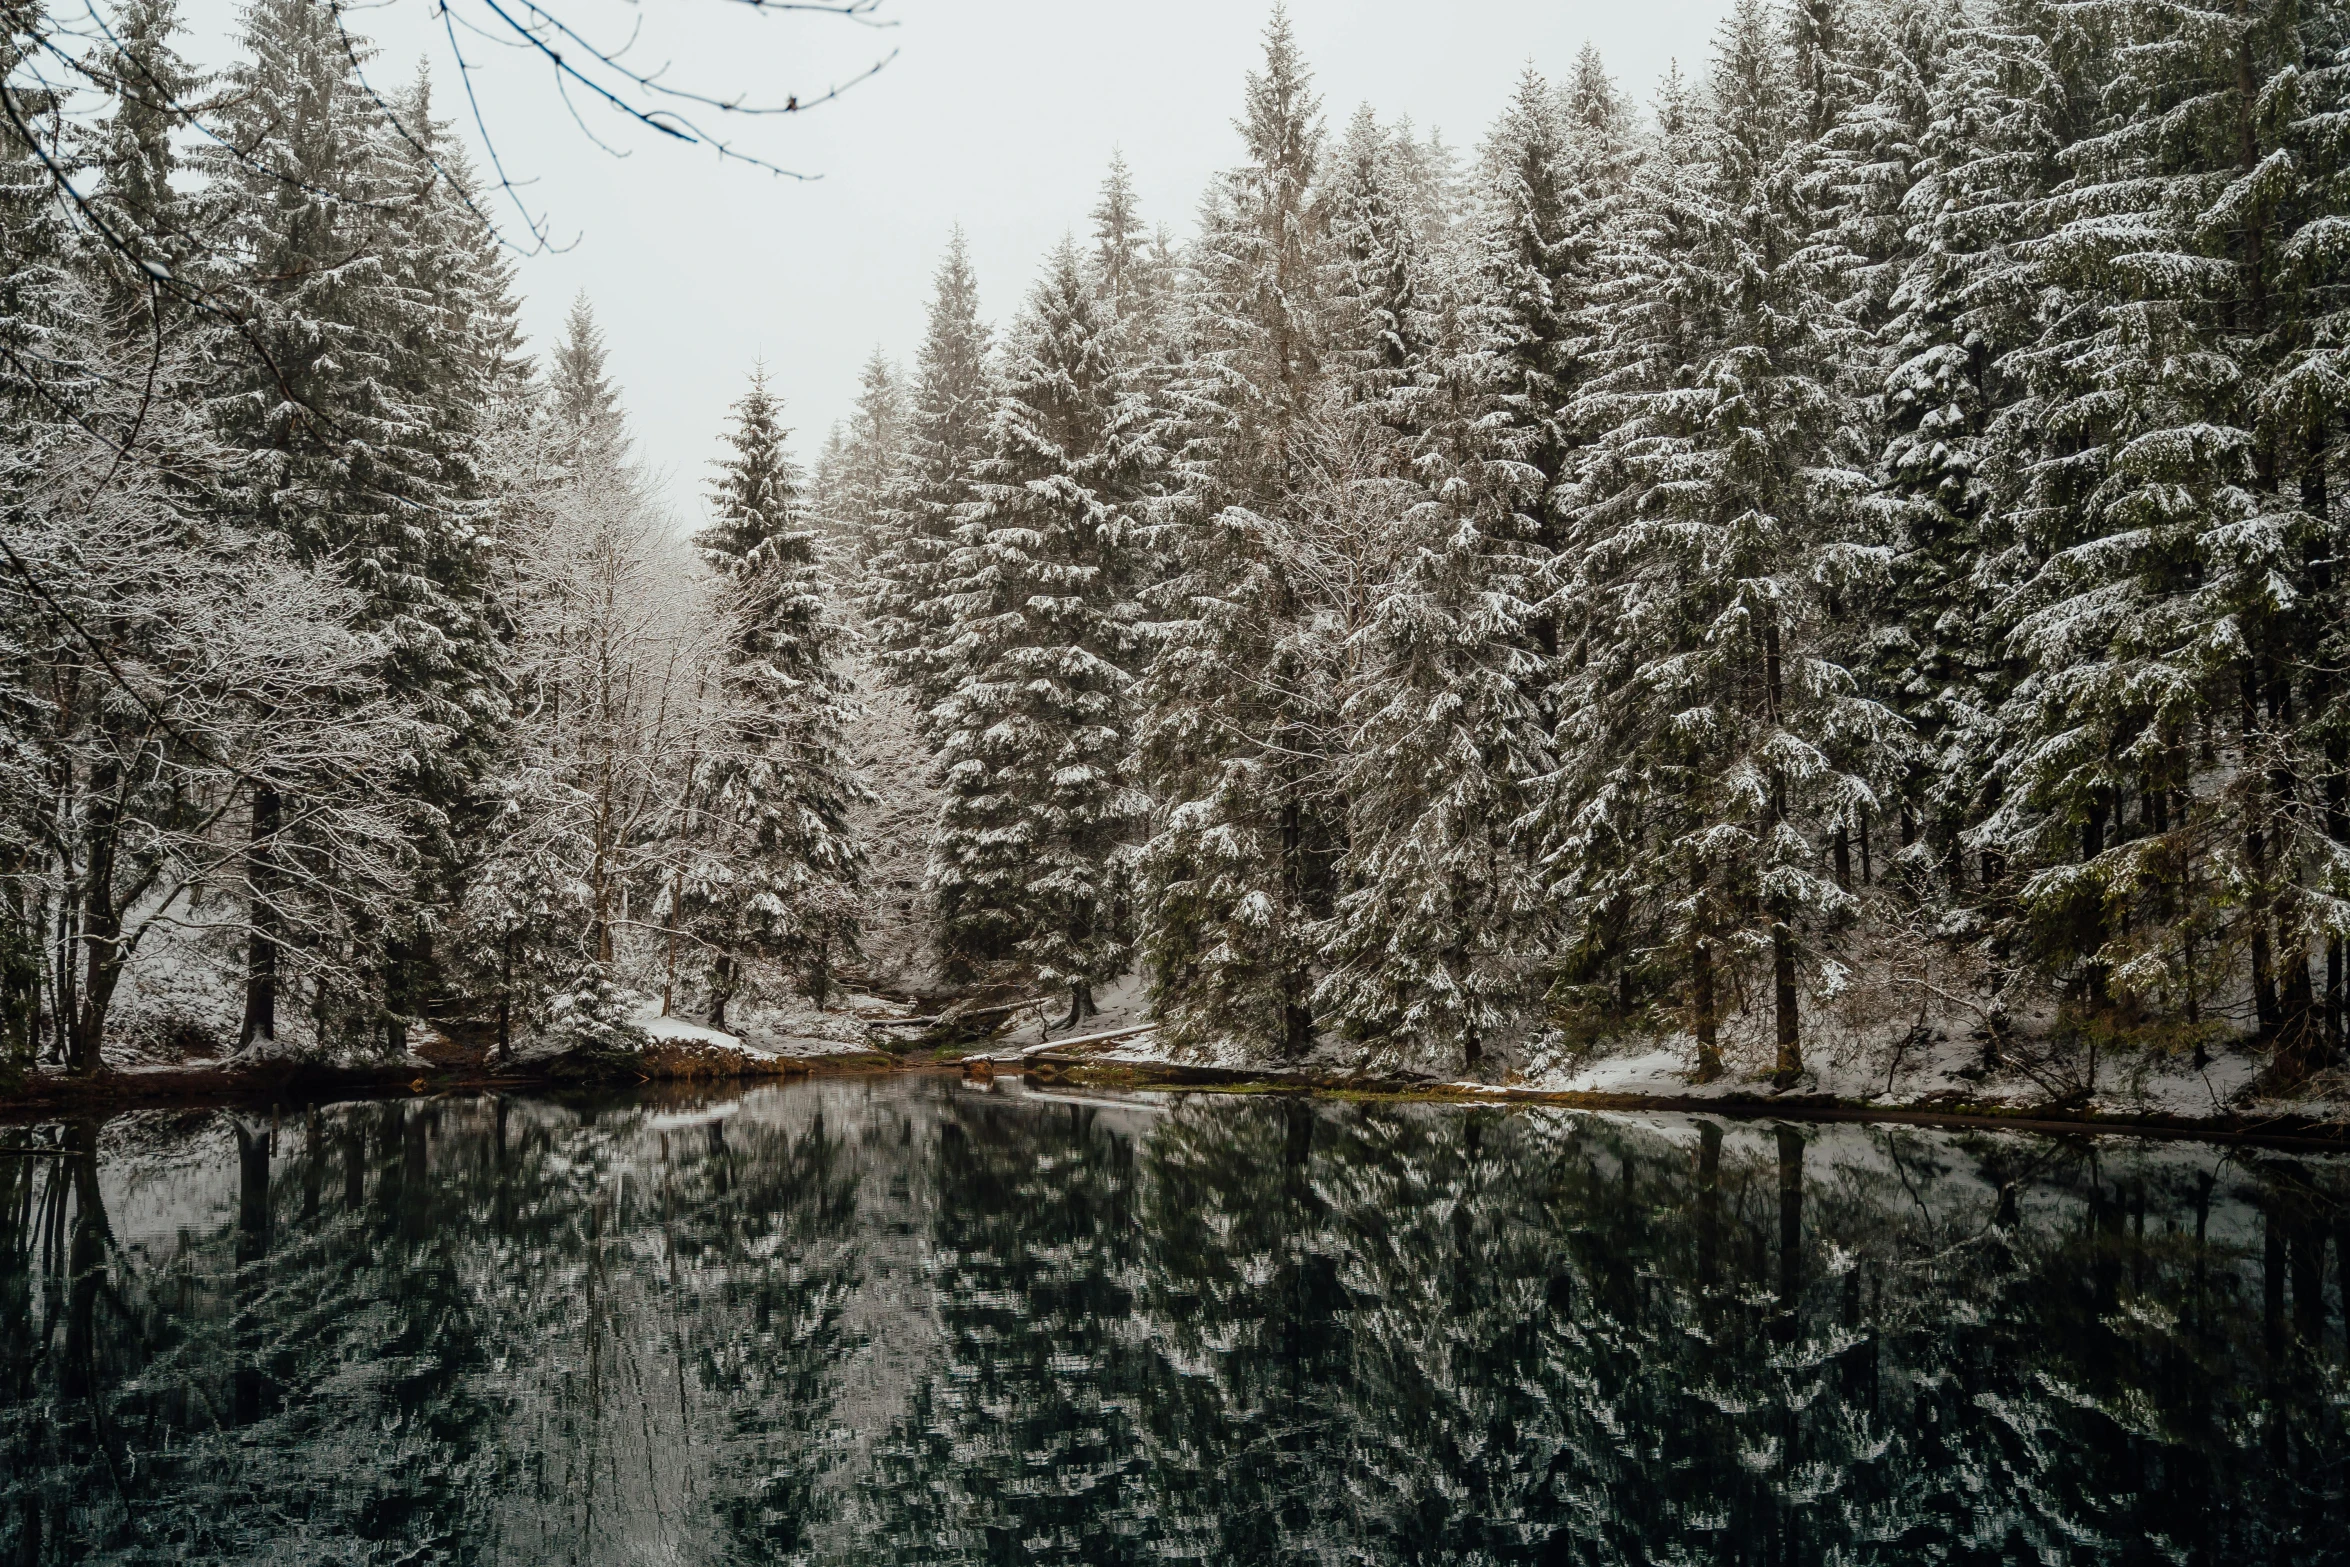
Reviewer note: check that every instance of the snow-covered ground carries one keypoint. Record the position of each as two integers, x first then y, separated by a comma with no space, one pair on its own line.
769,1032
1896,1064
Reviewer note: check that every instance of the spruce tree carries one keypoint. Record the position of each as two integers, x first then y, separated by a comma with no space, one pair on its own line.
582,399
1241,692
1983,151
1445,917
2164,780
1381,324
946,425
862,475
349,389
1031,857
1711,744
1121,258
782,869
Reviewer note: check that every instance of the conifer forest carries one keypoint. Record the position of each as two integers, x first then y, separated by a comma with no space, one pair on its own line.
1621,836
1853,519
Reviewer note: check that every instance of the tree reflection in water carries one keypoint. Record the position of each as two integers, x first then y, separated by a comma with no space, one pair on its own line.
898,1320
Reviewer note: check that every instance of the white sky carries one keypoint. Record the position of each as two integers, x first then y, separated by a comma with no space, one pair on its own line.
997,114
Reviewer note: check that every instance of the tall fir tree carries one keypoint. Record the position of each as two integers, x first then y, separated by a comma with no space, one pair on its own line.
1032,857
782,870
581,397
946,425
1241,695
1711,745
1382,318
347,387
863,473
2165,784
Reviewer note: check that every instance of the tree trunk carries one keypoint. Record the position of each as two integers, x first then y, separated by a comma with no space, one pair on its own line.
101,929
2300,1047
506,995
262,926
1784,1015
1706,1020
721,990
2264,979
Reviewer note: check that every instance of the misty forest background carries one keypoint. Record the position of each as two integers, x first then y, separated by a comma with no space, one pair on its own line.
1859,523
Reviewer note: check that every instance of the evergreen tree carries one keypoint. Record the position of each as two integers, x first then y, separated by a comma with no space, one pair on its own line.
1962,299
1541,233
953,399
1710,742
1031,857
582,398
1445,918
352,393
2163,779
1382,323
862,476
1121,254
1241,691
132,151
782,872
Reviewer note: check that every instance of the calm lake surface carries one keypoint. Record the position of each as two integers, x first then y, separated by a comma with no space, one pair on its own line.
908,1320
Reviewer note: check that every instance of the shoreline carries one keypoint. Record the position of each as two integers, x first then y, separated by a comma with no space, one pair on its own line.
54,1096
2280,1130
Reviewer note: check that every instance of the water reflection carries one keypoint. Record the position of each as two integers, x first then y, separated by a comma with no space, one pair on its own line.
898,1320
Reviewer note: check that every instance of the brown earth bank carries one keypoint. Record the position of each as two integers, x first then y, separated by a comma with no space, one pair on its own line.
683,1070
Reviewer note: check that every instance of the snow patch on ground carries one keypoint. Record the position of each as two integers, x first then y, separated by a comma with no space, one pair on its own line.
781,1031
1122,1003
1910,1069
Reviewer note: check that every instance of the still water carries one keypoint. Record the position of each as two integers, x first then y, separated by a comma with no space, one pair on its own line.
907,1320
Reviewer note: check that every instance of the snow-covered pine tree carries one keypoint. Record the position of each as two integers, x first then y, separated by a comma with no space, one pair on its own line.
2303,414
1445,917
1434,940
1121,245
1543,215
1433,193
581,397
782,872
1983,153
1261,261
1552,176
863,474
1241,699
132,152
1031,859
2165,784
346,388
945,440
1381,325
1710,744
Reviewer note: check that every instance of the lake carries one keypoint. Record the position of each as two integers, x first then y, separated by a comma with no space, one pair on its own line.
906,1319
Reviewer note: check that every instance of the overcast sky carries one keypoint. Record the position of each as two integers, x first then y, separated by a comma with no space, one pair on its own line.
999,115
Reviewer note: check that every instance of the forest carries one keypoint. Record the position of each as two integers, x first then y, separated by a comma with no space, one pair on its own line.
1855,517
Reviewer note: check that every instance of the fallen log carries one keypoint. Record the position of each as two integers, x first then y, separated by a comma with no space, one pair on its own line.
959,1017
1029,1051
